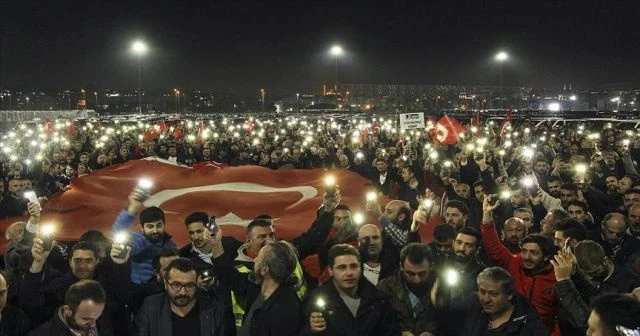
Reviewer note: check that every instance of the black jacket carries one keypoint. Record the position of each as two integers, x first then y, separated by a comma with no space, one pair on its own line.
14,322
40,294
278,316
375,315
55,327
154,318
472,321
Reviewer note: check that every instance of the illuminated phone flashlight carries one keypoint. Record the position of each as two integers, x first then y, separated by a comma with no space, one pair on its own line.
359,155
372,196
451,277
46,235
358,218
527,182
320,304
505,194
470,147
31,196
145,184
508,143
330,185
502,152
625,142
581,168
448,163
433,155
121,238
527,130
427,203
527,153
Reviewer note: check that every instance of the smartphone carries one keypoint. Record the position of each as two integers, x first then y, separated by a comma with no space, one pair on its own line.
31,196
213,227
47,242
493,199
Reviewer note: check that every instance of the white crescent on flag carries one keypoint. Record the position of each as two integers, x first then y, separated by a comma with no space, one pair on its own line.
441,132
159,198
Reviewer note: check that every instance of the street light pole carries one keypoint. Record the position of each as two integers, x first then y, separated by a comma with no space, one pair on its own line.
139,48
501,57
96,95
336,51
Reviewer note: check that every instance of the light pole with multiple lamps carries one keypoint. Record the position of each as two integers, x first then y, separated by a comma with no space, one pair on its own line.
501,57
139,48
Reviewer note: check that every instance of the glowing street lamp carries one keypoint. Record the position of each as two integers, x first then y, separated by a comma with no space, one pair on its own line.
336,51
501,57
139,48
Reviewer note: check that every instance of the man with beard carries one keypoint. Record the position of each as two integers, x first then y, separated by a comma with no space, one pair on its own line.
146,244
408,290
273,307
456,214
42,288
395,222
442,244
466,247
347,303
611,183
553,186
343,231
631,197
618,245
604,276
634,221
526,215
84,304
513,232
180,311
531,270
14,204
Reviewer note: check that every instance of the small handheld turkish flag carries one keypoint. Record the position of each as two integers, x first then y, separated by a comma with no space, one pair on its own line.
447,131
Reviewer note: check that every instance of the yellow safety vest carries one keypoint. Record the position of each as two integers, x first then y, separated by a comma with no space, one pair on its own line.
237,307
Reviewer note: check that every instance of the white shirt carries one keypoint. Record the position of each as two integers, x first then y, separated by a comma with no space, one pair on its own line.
372,274
383,178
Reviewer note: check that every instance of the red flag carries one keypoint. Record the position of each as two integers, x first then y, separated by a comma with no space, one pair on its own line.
150,134
200,136
506,123
48,127
446,131
161,126
376,127
178,133
291,197
71,130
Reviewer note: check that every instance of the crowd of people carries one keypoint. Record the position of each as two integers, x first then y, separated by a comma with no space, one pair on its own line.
536,231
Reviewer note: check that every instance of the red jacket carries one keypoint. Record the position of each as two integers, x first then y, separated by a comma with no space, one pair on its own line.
538,288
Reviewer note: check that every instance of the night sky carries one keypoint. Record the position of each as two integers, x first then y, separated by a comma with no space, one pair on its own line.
240,46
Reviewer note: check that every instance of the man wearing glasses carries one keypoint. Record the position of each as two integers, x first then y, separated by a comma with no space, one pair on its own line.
180,310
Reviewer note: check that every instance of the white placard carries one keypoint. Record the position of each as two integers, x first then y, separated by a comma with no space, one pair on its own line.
411,121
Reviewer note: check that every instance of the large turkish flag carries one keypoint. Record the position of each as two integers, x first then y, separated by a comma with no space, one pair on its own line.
234,194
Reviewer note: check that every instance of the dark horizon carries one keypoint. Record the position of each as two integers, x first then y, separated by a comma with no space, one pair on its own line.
241,47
